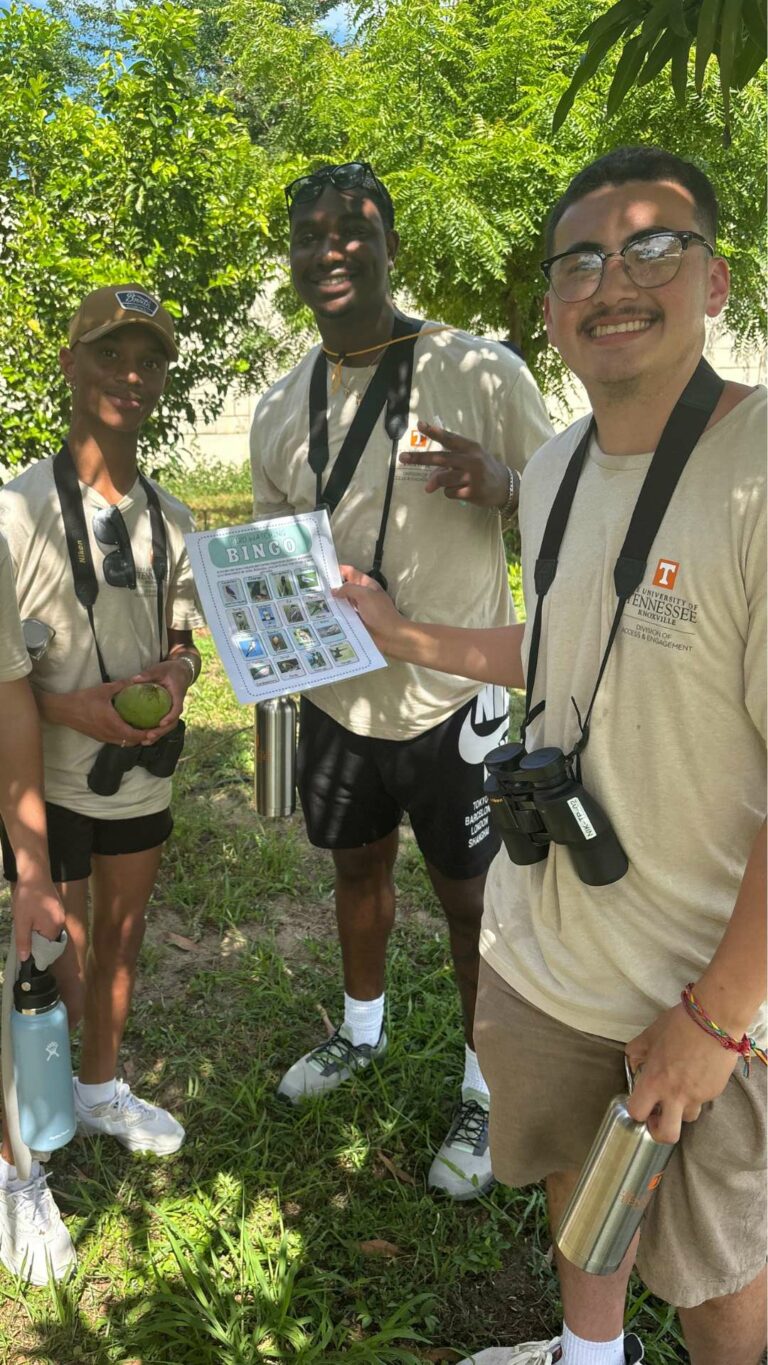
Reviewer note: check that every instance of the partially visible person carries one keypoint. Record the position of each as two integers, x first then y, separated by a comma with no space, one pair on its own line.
348,428
99,559
666,964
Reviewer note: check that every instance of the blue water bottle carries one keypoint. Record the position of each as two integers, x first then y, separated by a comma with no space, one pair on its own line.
42,1066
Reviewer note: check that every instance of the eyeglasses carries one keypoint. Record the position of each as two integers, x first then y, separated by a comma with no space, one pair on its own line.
651,259
110,529
352,175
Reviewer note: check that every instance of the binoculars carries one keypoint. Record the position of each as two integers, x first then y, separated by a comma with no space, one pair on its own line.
535,800
113,761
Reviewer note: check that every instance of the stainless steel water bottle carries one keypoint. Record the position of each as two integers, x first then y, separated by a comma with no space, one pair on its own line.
42,1066
275,757
624,1167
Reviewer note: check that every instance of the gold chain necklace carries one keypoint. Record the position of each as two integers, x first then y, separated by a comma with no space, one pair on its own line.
337,380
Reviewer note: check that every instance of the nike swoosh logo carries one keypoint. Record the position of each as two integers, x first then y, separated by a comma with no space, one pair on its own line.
472,746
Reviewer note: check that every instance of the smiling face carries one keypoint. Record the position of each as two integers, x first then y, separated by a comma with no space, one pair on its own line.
625,335
118,379
341,256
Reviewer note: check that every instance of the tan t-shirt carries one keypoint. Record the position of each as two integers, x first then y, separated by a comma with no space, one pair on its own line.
14,660
126,624
676,755
443,561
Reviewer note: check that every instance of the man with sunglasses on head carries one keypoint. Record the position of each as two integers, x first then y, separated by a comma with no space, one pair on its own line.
102,571
347,428
659,958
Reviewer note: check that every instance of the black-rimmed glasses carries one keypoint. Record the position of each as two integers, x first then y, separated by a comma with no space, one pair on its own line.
351,175
651,259
110,529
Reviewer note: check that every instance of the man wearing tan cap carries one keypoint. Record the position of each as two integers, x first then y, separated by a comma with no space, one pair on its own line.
99,559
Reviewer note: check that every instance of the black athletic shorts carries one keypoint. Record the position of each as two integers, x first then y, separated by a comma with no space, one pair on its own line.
354,789
72,838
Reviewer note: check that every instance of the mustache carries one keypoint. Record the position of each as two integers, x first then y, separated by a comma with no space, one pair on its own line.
619,315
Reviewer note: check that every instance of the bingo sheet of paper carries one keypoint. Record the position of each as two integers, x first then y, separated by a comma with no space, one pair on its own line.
265,590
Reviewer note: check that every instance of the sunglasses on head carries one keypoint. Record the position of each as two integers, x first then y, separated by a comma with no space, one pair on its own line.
351,175
110,529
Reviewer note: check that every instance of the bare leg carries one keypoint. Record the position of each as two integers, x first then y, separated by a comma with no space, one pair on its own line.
728,1330
365,913
121,887
593,1305
462,902
69,970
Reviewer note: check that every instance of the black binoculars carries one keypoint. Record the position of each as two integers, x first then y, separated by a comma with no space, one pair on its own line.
535,799
113,761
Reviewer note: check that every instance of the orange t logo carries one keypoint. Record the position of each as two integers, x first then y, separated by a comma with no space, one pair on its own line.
418,440
666,573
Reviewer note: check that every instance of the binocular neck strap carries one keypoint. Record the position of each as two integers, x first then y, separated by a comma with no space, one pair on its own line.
685,426
390,386
79,546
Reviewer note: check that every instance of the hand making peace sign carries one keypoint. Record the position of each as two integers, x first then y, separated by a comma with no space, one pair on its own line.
464,470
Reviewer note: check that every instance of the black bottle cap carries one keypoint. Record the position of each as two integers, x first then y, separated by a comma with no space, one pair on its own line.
544,767
34,991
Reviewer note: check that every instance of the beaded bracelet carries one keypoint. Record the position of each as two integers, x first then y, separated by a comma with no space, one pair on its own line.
185,659
746,1048
508,507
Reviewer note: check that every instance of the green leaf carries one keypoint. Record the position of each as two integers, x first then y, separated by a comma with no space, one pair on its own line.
680,68
617,17
756,21
658,57
626,72
730,32
584,72
706,37
749,59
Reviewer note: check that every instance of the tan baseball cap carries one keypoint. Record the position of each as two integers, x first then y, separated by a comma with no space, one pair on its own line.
118,305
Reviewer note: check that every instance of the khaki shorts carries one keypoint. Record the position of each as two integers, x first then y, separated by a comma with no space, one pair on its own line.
704,1234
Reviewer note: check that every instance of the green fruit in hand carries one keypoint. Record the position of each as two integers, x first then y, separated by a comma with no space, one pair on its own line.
143,705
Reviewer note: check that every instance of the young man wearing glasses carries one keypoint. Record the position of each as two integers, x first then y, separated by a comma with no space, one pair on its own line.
404,739
666,963
99,558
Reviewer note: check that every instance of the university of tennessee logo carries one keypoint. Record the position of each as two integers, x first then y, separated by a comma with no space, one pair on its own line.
666,573
418,440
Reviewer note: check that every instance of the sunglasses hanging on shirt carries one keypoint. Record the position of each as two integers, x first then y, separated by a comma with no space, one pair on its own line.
118,566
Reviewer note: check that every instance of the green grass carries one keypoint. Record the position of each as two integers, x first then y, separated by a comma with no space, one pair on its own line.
249,1246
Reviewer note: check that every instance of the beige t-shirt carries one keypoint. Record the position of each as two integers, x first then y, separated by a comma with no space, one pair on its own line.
676,755
14,660
443,561
126,624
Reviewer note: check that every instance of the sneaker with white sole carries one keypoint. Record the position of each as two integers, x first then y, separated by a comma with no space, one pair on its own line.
34,1243
462,1166
545,1353
328,1065
139,1125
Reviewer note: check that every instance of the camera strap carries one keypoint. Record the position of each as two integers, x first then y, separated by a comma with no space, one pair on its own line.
79,546
680,436
390,387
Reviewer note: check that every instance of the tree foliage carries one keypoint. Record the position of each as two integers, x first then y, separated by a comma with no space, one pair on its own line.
152,179
453,105
658,34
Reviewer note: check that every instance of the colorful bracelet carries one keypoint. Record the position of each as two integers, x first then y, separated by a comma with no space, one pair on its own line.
746,1048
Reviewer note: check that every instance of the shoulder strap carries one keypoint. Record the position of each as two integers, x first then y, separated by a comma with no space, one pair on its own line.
391,384
79,546
679,438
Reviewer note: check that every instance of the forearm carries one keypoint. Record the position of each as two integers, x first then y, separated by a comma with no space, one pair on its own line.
733,986
180,646
21,779
491,655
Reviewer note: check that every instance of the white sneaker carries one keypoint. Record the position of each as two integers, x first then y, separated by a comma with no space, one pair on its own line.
328,1064
545,1353
34,1242
140,1126
462,1166
529,1353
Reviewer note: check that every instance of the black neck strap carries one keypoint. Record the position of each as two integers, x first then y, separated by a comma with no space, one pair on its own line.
390,386
79,546
681,434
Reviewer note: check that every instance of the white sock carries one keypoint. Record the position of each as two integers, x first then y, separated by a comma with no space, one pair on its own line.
577,1351
91,1095
473,1076
363,1019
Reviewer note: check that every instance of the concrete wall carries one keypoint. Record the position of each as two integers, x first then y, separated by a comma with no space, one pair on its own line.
226,439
